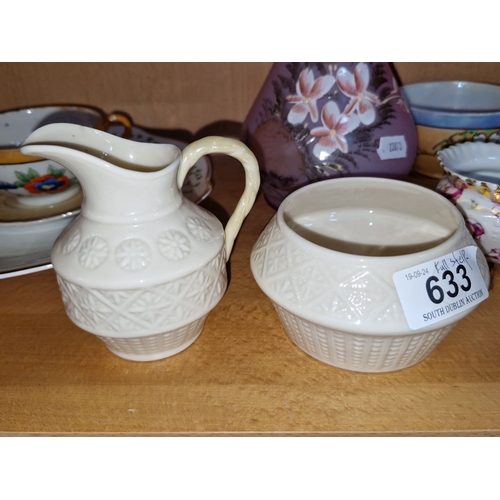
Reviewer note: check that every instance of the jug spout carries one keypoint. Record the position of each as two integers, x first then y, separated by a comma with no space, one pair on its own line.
123,181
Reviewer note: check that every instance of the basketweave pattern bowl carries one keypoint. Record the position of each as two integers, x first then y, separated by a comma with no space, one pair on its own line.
367,353
342,308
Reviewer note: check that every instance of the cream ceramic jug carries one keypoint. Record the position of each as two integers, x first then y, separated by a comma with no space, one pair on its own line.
141,267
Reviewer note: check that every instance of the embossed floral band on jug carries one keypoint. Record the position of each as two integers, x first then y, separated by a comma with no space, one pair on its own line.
313,121
141,267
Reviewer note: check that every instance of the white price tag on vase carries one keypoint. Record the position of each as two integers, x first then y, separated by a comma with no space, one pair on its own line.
440,288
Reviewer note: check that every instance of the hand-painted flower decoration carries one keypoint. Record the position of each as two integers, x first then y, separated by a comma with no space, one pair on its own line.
332,134
309,91
47,184
494,254
476,229
54,181
460,184
7,185
355,85
402,104
451,190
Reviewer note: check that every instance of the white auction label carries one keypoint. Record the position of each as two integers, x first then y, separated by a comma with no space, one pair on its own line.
392,148
441,288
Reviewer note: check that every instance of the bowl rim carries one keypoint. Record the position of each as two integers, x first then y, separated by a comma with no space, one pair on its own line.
407,259
446,117
398,327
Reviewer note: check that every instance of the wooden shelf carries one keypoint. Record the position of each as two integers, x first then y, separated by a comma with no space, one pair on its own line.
243,376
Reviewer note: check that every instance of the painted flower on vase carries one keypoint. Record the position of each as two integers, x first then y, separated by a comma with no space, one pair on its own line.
359,110
307,125
332,134
400,101
355,85
309,90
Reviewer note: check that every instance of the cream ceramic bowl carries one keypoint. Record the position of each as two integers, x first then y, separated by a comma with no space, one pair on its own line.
327,260
472,183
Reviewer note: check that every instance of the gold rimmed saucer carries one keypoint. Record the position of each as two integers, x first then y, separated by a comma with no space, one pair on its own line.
11,210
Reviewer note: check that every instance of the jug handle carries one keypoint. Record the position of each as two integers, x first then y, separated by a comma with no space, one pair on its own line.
232,147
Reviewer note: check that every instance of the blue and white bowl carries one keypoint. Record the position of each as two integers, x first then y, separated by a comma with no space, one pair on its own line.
454,104
448,113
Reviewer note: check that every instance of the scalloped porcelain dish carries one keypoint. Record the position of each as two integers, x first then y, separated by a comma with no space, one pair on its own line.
476,162
27,233
472,183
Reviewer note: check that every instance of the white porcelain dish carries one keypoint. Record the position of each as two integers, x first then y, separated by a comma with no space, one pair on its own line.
27,244
27,233
477,161
454,104
472,183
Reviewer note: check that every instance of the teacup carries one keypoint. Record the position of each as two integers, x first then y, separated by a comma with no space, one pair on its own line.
36,181
472,183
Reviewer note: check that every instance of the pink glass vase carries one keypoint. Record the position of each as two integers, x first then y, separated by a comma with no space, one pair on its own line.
314,121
